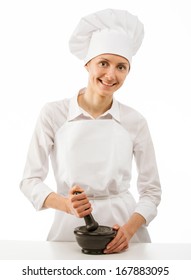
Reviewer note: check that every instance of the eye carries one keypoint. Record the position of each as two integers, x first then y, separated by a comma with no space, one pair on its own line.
103,63
122,67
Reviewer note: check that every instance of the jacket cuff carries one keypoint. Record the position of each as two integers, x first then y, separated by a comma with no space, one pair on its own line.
39,194
147,209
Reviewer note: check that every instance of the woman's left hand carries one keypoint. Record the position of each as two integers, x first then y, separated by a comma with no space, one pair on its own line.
120,241
125,233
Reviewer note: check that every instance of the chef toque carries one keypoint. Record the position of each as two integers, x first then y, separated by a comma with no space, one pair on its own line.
107,31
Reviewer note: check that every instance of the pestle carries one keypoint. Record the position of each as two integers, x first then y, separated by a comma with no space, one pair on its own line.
91,224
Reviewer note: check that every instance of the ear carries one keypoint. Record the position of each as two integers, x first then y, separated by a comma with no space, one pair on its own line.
86,67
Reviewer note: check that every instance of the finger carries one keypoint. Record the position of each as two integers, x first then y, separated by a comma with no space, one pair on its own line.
85,213
110,244
116,227
81,198
117,248
115,240
81,207
117,244
76,188
120,248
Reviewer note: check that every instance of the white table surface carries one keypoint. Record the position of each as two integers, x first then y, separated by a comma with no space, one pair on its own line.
44,250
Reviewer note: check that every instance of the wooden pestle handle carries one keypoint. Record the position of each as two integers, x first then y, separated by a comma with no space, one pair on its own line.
91,224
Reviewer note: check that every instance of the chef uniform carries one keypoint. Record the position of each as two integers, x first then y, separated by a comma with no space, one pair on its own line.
96,153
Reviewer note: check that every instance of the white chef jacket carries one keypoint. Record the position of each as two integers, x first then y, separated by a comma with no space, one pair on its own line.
97,155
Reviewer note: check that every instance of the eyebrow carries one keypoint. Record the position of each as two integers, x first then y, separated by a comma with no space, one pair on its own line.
122,62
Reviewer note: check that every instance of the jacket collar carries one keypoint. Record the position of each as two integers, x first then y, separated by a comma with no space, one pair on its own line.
76,111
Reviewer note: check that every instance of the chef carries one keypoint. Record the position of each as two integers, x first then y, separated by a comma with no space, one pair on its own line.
92,139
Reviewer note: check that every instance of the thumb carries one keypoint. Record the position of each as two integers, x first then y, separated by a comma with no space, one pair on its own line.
116,227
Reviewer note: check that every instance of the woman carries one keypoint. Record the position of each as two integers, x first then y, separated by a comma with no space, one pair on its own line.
92,139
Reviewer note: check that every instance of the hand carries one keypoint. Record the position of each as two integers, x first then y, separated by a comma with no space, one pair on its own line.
120,241
78,204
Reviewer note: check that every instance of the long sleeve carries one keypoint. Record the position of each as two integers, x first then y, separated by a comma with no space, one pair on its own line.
148,183
37,163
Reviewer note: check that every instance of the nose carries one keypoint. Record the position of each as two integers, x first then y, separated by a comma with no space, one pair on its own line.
110,73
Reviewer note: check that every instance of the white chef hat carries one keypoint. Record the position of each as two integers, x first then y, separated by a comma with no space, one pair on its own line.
107,31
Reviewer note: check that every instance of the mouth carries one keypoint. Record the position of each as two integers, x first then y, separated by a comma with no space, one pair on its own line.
106,84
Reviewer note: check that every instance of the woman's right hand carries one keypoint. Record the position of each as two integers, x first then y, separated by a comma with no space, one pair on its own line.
77,202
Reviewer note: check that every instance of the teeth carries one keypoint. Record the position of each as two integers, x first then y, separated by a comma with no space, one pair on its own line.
106,84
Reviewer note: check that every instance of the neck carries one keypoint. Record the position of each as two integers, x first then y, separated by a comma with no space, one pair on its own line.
94,104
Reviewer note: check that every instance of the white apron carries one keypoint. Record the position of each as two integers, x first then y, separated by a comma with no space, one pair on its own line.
97,155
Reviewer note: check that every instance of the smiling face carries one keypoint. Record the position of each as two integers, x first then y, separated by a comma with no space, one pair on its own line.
107,73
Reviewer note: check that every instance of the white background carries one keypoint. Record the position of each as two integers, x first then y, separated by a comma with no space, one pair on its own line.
36,67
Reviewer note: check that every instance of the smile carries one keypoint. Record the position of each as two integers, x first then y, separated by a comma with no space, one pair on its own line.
107,84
